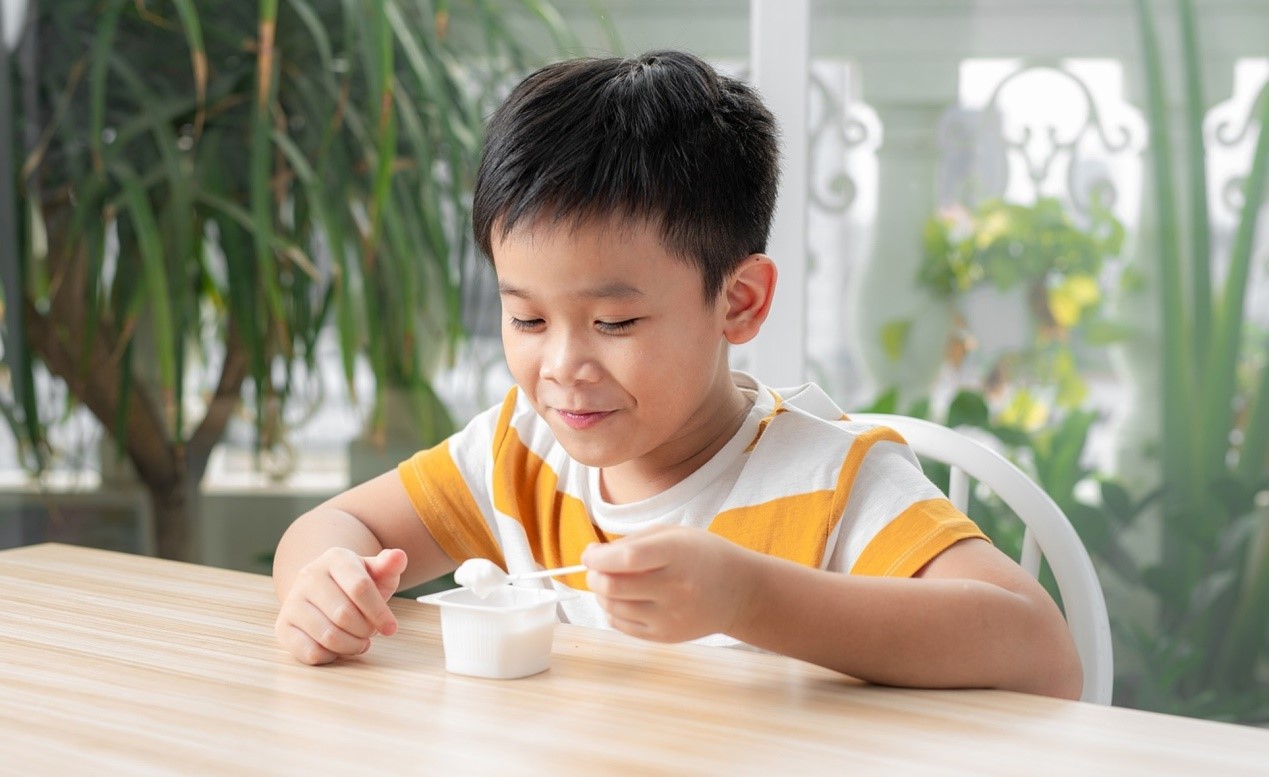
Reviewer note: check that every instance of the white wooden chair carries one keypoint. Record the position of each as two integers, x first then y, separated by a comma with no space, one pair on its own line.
1049,534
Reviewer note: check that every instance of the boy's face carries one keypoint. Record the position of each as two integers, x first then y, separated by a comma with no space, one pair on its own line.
609,336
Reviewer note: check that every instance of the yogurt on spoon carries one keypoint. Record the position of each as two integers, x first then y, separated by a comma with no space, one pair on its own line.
483,577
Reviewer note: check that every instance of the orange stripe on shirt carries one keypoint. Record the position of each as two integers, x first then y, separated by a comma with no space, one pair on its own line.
556,524
445,505
918,534
854,460
792,527
776,409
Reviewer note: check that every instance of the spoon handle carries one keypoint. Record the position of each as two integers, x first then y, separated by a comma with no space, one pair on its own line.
550,572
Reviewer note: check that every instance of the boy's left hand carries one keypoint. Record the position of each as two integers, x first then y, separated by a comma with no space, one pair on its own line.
670,584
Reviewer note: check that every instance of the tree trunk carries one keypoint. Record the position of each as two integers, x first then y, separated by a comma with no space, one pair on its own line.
170,467
173,512
171,470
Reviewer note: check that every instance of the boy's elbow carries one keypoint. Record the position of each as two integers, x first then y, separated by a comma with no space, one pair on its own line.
1059,673
1064,680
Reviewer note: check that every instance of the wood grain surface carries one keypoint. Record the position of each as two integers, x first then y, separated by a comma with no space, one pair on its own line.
120,664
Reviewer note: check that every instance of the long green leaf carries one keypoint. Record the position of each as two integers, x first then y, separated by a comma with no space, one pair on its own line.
165,111
103,46
1245,643
1222,358
13,261
1200,229
1252,464
1180,452
244,219
334,234
123,408
95,246
550,16
178,240
261,161
156,277
313,23
197,53
243,292
386,136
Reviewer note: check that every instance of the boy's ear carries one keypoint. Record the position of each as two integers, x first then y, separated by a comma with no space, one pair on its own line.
747,297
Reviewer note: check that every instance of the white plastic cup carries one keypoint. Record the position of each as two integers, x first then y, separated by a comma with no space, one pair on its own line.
503,636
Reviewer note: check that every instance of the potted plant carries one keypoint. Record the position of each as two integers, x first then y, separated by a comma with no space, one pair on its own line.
215,183
1024,283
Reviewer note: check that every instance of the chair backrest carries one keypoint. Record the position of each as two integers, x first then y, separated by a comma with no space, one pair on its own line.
1048,533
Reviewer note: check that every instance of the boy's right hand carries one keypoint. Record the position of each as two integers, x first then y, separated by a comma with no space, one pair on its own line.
337,602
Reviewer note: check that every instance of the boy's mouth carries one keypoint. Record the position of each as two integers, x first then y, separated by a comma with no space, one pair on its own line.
582,419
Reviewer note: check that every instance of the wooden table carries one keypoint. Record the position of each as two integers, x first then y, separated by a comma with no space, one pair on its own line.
120,664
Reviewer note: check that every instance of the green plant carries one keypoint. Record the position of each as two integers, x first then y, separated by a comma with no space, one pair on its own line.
1054,263
215,183
1206,651
1153,666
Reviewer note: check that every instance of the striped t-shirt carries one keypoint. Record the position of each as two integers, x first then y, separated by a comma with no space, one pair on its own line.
799,480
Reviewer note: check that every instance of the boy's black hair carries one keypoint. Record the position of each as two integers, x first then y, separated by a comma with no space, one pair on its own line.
661,137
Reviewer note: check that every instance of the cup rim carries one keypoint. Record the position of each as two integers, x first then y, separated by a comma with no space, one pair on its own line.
531,598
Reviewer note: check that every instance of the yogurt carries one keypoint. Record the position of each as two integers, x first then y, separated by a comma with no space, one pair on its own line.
481,576
504,636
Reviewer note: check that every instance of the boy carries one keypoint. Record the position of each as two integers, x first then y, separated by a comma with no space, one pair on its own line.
625,206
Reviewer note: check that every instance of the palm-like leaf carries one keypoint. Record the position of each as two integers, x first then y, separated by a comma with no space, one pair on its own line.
322,151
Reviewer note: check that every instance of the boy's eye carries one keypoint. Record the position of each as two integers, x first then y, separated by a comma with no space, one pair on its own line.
525,324
615,327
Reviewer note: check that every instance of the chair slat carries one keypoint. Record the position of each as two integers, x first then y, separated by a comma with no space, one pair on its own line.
958,489
1030,560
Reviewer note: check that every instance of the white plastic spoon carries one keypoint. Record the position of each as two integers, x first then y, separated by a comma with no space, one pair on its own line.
484,577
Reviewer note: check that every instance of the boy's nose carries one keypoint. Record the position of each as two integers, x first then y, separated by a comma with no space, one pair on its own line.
567,360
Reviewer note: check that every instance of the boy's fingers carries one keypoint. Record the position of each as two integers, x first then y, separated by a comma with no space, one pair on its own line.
629,555
623,586
315,627
386,569
304,647
356,584
641,612
342,611
328,634
390,562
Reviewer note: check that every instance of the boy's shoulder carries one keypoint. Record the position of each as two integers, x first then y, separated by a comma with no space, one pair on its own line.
807,416
810,400
807,402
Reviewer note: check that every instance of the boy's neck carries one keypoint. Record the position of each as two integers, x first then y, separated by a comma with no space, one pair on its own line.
634,481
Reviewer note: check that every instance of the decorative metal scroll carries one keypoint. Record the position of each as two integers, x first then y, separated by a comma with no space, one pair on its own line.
1230,134
840,126
1018,146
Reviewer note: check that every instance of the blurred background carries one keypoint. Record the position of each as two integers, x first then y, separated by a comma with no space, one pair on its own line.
238,275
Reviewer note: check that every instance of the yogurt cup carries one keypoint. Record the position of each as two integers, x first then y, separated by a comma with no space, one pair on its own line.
503,636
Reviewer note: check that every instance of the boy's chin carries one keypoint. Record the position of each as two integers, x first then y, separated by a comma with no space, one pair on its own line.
591,455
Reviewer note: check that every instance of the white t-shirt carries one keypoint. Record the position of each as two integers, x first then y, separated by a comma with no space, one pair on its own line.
799,480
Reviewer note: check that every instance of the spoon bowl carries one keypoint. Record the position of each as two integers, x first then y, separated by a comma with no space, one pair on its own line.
483,577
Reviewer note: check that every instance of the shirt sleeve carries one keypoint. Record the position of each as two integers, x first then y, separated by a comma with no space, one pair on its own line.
895,520
914,538
448,486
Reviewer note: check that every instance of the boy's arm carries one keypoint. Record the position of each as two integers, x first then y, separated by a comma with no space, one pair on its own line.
336,566
971,618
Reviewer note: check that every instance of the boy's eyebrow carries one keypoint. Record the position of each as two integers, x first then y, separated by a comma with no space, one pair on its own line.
616,289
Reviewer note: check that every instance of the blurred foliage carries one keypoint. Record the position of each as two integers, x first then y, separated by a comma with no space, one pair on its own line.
1185,554
1206,651
1056,265
215,184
